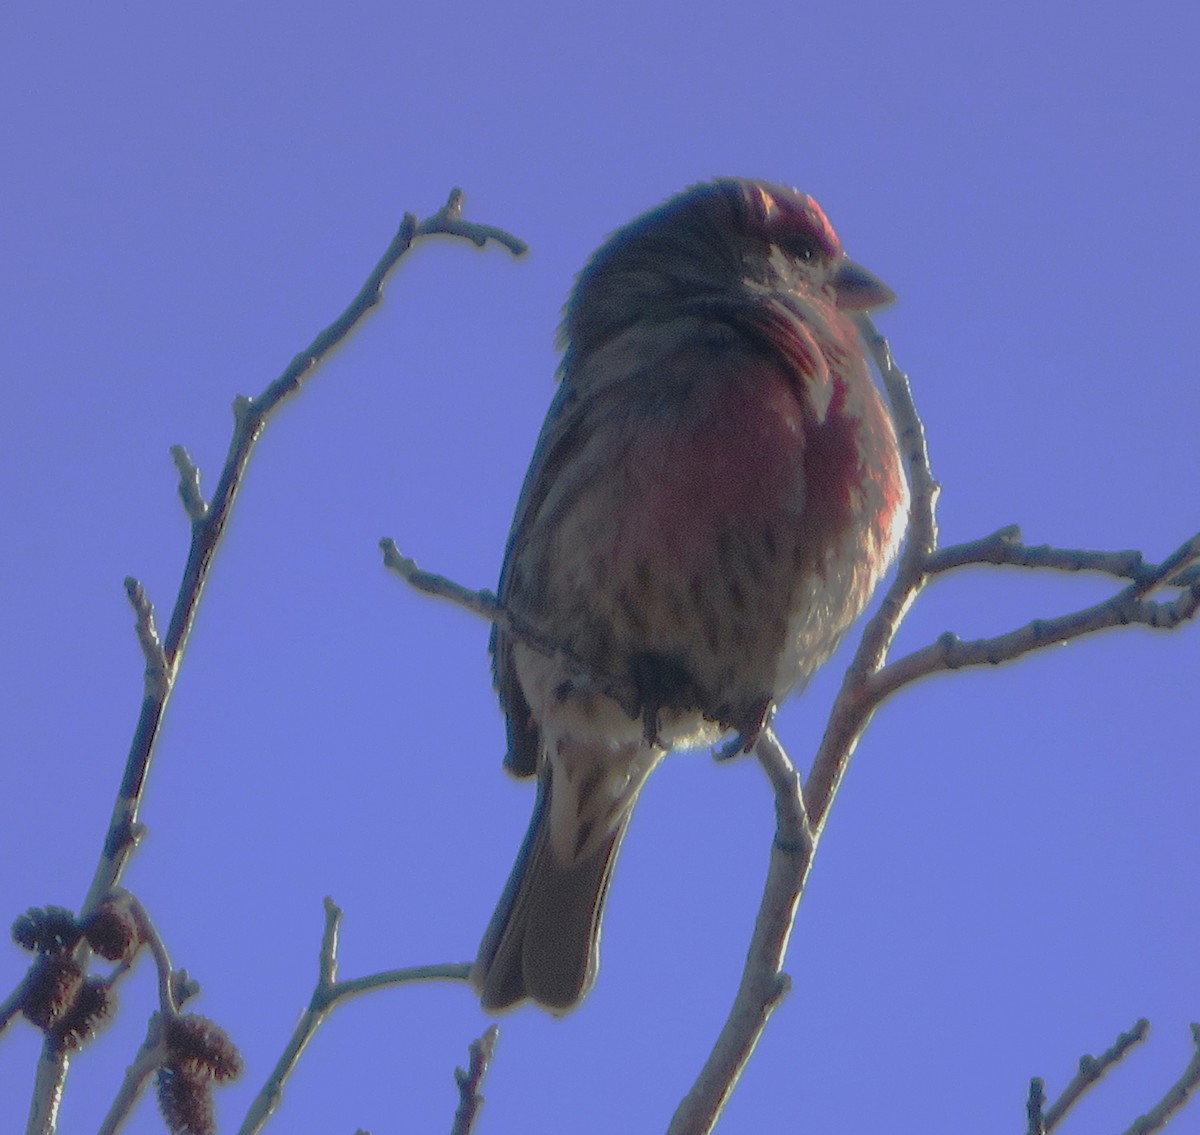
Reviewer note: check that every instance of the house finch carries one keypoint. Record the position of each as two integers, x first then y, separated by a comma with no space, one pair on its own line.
715,493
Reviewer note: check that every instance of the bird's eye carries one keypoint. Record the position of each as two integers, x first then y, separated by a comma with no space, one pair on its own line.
800,246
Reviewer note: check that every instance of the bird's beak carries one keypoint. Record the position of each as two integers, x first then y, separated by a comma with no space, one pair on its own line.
857,289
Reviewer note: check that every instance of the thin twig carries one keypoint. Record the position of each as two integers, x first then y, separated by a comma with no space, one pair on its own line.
1169,571
137,1076
1003,548
1092,1069
167,1002
193,500
1035,1107
1091,1072
470,1099
448,220
157,670
327,994
1176,1095
482,603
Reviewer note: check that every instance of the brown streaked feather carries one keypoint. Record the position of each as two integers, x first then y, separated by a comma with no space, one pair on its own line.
543,941
642,374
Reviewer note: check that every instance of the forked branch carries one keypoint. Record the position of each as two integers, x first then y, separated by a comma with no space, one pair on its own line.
164,654
328,993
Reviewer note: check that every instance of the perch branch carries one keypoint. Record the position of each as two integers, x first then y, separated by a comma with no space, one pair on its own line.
853,708
763,984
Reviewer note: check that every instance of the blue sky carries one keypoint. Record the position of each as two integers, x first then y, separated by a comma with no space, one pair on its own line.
1007,880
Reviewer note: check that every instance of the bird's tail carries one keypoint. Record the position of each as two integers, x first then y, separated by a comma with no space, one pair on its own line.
543,941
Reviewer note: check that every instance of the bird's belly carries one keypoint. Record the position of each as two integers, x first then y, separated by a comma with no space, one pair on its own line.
680,564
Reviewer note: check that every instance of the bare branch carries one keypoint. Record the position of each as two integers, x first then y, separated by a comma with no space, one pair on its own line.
469,1098
168,1002
763,984
1043,1120
921,538
853,708
1035,1107
1127,607
1003,548
327,993
157,671
194,503
1176,1096
869,681
1170,569
208,525
448,220
49,1082
208,521
1091,1071
137,1076
482,603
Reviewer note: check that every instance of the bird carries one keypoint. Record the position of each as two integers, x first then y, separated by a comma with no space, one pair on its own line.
716,491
